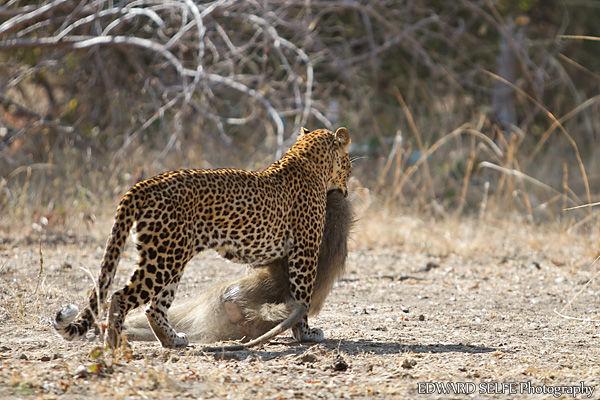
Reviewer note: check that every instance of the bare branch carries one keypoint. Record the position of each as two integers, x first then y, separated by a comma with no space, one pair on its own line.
21,19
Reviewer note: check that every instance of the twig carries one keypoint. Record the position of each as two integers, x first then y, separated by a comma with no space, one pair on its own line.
544,137
582,206
99,301
568,304
19,20
580,37
41,270
551,116
463,129
222,80
520,175
417,134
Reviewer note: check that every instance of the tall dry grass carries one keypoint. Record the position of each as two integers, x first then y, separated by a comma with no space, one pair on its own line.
423,89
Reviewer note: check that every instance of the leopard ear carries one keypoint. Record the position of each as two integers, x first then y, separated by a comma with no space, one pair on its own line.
304,131
342,137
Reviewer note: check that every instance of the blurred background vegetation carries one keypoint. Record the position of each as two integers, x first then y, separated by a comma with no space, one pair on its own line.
454,107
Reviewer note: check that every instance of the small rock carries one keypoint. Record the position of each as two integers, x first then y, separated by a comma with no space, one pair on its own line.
421,317
252,358
429,266
558,263
462,369
174,359
45,358
81,372
339,364
4,348
307,358
23,356
56,356
408,363
405,310
381,328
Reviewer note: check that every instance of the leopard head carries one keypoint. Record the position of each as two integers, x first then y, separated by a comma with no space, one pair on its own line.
328,148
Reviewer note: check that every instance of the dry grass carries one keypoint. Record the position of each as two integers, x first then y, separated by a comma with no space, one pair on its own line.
472,236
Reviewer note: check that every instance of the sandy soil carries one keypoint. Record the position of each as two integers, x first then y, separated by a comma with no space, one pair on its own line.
409,310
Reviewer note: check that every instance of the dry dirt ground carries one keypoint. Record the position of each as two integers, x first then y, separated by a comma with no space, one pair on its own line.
422,301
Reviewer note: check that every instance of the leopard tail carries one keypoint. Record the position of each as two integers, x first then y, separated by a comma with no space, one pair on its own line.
68,322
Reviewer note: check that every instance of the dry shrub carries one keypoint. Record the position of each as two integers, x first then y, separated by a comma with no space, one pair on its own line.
456,108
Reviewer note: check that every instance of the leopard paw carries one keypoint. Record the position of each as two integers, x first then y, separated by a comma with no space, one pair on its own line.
178,341
181,340
302,333
314,335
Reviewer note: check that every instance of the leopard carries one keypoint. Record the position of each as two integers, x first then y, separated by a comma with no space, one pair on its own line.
249,217
247,307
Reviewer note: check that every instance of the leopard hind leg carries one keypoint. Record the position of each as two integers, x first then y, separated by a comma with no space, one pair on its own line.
137,292
156,313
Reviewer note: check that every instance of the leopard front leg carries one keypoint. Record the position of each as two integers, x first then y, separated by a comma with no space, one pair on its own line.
302,262
303,333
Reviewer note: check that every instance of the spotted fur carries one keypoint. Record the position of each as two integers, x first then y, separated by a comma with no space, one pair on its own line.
251,217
